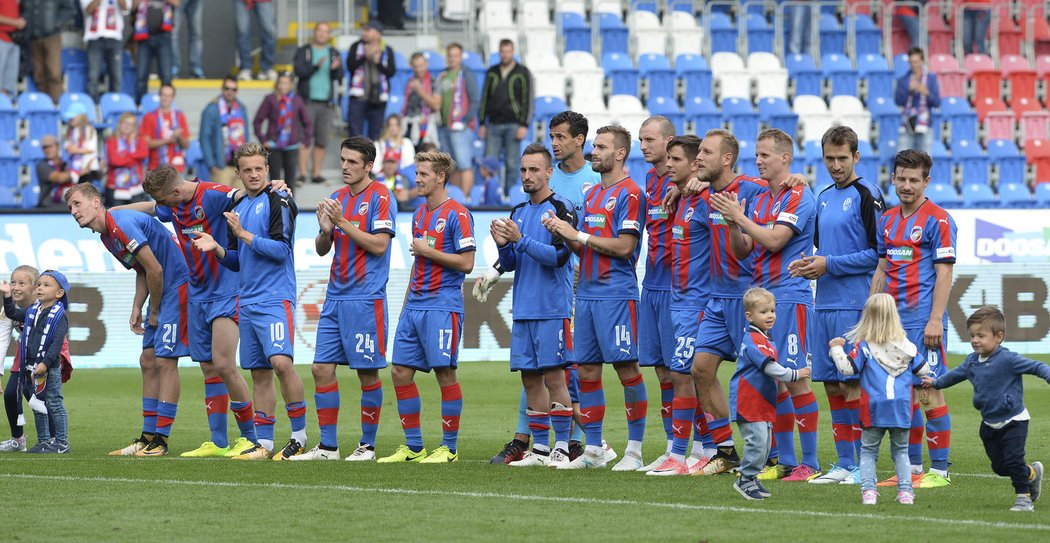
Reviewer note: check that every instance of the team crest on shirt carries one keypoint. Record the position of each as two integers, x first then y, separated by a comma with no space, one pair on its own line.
258,208
198,212
847,203
688,215
916,233
610,204
776,208
439,227
363,208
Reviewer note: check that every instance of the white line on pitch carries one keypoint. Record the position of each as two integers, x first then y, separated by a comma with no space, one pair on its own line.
561,499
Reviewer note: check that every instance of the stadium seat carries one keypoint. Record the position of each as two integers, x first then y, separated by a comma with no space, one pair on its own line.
8,119
113,104
69,98
693,71
534,13
776,113
813,116
867,36
30,151
1042,194
900,66
975,62
939,32
474,62
803,70
839,70
668,107
943,167
1035,125
435,61
613,33
732,77
576,32
812,156
723,33
542,41
961,119
872,68
978,195
1008,160
680,6
648,34
549,82
832,35
1015,195
40,112
890,198
1042,66
130,74
849,111
887,117
952,83
622,74
195,160
456,194
746,161
1038,154
703,113
656,69
999,125
151,101
943,194
497,13
771,79
1009,35
758,34
741,116
576,60
74,67
625,103
943,62
988,105
588,87
686,36
969,156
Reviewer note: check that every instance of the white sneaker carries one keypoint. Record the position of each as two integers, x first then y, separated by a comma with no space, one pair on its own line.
869,497
14,445
244,75
316,453
608,451
835,476
558,459
656,463
631,461
268,75
696,462
853,479
586,461
362,454
531,459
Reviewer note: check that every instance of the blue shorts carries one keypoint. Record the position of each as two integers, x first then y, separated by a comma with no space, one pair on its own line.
170,338
533,346
826,326
267,330
202,314
353,333
459,144
428,339
686,327
572,380
655,329
789,334
936,358
605,331
722,329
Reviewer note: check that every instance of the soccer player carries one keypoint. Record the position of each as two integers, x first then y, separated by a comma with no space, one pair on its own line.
655,328
916,247
844,262
192,207
358,222
542,306
607,296
690,255
141,243
261,230
427,336
722,327
774,225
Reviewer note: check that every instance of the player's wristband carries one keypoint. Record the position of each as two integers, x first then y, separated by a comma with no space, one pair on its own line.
582,237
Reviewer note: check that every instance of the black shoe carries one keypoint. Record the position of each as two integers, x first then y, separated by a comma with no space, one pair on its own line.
511,452
762,489
42,446
748,488
293,448
300,181
575,450
317,179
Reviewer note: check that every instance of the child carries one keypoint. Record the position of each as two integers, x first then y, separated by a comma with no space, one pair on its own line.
998,394
491,187
753,390
44,331
22,280
391,176
881,354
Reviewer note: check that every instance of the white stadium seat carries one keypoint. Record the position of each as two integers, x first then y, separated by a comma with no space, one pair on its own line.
588,87
650,41
497,13
625,103
549,82
534,14
541,41
578,60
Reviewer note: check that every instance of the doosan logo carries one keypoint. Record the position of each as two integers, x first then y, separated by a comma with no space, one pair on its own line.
994,243
900,253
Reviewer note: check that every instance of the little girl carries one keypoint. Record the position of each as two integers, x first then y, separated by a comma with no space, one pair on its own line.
23,281
882,354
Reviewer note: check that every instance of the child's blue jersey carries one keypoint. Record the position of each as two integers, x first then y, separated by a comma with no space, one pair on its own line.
572,185
794,208
885,400
267,266
128,231
209,280
658,224
357,274
610,213
846,236
540,262
752,393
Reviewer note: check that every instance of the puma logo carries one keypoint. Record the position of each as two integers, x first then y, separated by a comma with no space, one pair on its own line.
372,415
369,357
622,350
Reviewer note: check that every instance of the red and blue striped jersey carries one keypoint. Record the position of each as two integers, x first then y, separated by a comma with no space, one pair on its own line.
690,253
911,247
610,212
128,231
203,214
795,208
356,273
753,393
730,277
658,223
450,229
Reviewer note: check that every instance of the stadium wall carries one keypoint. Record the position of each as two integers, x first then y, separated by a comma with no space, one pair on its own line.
1004,259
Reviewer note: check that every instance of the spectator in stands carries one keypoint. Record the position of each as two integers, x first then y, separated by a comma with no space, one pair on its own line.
492,186
393,143
798,39
370,62
104,41
506,111
190,14
44,21
154,20
224,127
125,154
319,67
10,53
52,173
81,145
166,133
390,175
909,17
917,93
288,126
421,105
975,27
267,21
459,111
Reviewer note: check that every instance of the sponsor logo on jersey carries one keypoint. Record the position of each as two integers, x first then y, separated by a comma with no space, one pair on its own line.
916,233
195,229
902,254
378,225
132,245
945,252
790,218
678,232
466,242
630,225
716,218
440,225
595,221
431,241
846,204
657,213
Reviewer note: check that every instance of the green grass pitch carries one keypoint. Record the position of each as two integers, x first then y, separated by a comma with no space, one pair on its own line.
88,496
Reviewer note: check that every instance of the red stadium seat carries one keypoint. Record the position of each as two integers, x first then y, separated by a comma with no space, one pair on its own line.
986,85
988,105
940,32
1009,33
976,62
1035,125
1026,105
1013,63
1042,66
1038,154
999,125
943,62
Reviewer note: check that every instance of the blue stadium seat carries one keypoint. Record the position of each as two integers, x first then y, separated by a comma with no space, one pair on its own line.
150,103
1005,154
69,98
195,159
978,195
613,33
74,66
8,119
620,70
942,163
475,63
41,113
456,194
777,114
832,35
962,120
824,179
693,70
576,31
1042,194
812,156
889,197
873,69
868,167
803,70
900,65
29,152
971,158
657,70
943,194
703,113
545,108
7,196
759,34
129,74
1015,195
413,8
838,68
668,107
31,194
741,116
435,61
681,5
887,117
393,105
517,195
746,162
8,163
723,33
867,36
113,104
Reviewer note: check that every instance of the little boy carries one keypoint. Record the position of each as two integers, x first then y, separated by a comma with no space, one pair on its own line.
753,390
40,347
998,394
